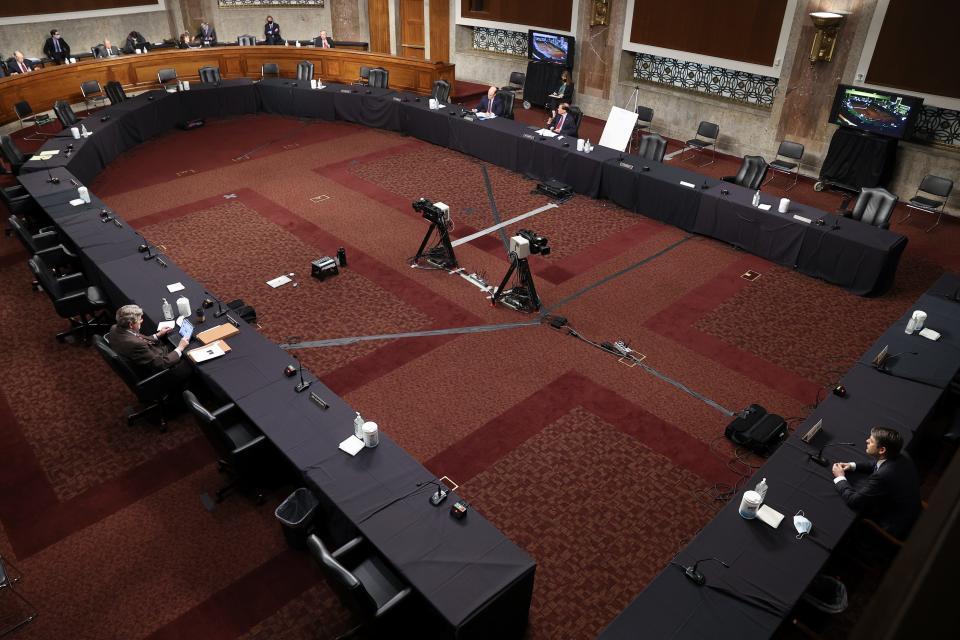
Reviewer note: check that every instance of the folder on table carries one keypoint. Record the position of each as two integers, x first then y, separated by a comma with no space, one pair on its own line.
219,332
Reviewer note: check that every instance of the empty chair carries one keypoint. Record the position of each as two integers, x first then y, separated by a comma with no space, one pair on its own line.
166,76
787,153
379,78
210,75
20,203
9,576
246,40
115,92
73,298
45,243
577,115
65,114
752,171
508,98
92,92
153,391
441,91
271,69
705,138
874,207
934,186
305,70
12,154
238,443
364,75
26,115
517,80
653,147
644,118
361,579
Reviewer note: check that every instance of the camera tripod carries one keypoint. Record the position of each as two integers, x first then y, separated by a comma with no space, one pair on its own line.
522,297
441,257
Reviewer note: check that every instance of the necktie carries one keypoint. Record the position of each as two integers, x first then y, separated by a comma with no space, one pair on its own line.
560,124
326,45
56,45
23,67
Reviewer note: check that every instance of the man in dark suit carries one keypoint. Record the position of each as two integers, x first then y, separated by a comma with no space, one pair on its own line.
135,40
890,494
323,41
206,34
56,48
145,353
271,32
491,103
19,64
563,123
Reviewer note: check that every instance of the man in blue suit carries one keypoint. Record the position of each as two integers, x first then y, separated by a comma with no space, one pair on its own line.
491,103
564,123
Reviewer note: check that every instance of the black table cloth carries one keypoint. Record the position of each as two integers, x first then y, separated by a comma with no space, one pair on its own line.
856,159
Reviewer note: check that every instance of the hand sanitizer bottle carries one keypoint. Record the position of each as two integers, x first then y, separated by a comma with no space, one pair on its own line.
762,489
756,198
358,426
167,310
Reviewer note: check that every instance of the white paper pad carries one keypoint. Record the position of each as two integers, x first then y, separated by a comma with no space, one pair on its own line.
45,155
483,115
771,516
279,281
209,352
352,445
763,207
76,202
929,334
688,184
176,286
546,133
802,219
166,324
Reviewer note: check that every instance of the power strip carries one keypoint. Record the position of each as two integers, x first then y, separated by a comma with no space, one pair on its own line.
622,347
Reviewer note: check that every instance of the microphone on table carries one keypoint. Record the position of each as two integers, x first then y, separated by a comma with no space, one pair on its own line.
440,495
695,576
220,310
819,459
145,247
304,384
50,178
69,149
882,366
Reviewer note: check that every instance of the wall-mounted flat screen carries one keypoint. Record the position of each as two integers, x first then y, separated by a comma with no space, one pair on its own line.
550,47
875,111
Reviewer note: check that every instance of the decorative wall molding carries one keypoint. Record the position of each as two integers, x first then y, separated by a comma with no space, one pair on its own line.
717,81
939,126
233,4
500,41
149,6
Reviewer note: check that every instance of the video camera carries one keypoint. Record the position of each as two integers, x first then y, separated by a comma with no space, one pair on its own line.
437,213
538,244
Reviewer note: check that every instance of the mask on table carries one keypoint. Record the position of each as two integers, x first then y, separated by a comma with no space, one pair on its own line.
802,524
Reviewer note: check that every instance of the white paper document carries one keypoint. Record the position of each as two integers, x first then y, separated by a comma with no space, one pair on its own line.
352,445
763,207
279,281
166,324
687,184
76,202
802,219
209,352
546,133
176,286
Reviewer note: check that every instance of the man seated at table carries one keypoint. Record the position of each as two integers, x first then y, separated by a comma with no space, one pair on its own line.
135,40
19,64
491,104
890,494
206,34
271,32
56,48
563,123
105,50
146,354
323,41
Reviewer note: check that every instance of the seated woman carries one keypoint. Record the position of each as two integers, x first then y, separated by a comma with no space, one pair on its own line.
184,41
563,94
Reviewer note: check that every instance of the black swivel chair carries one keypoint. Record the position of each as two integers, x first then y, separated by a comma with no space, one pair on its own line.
210,75
752,171
73,298
8,578
874,207
20,203
247,41
705,138
441,91
653,147
305,71
115,92
65,114
509,98
784,162
166,76
239,445
517,80
12,154
364,76
934,186
153,391
271,69
577,114
46,243
644,119
26,115
92,92
379,78
362,580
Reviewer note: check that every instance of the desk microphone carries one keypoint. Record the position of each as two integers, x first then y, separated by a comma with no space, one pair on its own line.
819,459
441,493
145,247
50,178
304,384
883,364
220,310
69,149
695,576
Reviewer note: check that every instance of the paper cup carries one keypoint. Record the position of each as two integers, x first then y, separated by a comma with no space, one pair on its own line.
784,205
920,317
75,132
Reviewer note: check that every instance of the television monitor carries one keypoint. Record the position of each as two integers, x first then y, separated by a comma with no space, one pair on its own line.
875,111
543,46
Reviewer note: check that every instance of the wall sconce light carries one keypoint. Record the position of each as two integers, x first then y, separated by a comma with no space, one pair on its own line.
827,25
600,16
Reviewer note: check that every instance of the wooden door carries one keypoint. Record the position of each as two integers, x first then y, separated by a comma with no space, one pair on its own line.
412,42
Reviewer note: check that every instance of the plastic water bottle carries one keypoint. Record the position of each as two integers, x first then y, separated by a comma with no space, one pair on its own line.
756,198
762,489
167,310
358,426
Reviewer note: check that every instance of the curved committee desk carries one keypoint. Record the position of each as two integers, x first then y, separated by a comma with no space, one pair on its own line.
43,87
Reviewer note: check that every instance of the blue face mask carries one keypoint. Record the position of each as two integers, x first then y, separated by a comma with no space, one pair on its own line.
802,524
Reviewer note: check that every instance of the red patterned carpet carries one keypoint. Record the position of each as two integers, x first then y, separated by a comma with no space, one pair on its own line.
548,437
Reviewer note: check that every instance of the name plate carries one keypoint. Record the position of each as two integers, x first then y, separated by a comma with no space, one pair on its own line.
469,118
802,219
346,91
396,99
688,184
529,136
626,166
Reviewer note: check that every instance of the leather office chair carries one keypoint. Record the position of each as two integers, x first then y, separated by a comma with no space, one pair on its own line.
441,91
247,41
92,92
65,114
166,76
270,69
379,78
364,76
239,445
305,71
787,152
46,243
26,115
577,114
20,203
874,206
153,391
210,75
653,147
705,138
363,581
115,92
752,171
9,576
508,101
516,83
644,119
934,186
73,298
12,154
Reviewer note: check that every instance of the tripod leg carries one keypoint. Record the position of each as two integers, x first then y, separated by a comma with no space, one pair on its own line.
503,283
526,279
426,239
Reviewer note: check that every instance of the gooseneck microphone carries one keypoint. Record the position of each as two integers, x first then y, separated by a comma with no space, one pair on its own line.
220,310
50,177
145,247
304,384
695,576
883,365
441,493
818,457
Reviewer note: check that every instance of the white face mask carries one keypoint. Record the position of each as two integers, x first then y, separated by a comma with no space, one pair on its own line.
802,525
